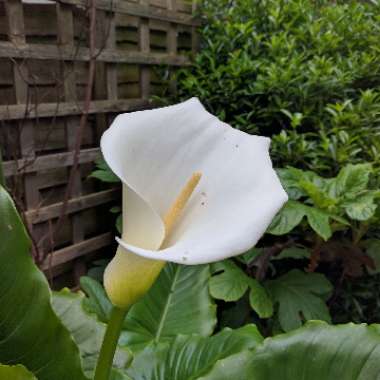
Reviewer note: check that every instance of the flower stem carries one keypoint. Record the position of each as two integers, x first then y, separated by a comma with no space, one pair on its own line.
111,337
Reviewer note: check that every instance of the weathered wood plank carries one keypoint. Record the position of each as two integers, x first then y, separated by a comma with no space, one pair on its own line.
144,46
18,111
65,38
15,15
139,10
50,161
40,51
195,42
75,251
74,205
111,67
172,44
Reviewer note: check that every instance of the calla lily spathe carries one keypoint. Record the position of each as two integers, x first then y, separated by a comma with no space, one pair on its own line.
155,152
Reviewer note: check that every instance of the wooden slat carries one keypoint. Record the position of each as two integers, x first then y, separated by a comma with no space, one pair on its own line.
50,161
17,37
66,38
75,251
40,51
100,84
111,70
144,45
14,112
57,57
172,43
139,10
194,33
74,205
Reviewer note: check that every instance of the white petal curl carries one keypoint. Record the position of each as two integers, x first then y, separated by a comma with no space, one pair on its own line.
155,152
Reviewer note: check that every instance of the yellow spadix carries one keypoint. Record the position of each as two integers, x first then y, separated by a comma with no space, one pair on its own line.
129,276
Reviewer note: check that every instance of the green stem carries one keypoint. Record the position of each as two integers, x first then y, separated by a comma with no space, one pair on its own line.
111,337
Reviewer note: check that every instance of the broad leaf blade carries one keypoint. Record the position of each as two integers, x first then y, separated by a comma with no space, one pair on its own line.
189,357
287,219
352,179
260,300
319,221
230,285
300,293
86,330
178,303
361,208
97,301
30,331
15,372
314,352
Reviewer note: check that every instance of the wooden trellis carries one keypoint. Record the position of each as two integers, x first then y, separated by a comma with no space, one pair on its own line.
44,58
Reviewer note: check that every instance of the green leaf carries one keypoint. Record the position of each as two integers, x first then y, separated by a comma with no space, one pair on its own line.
314,352
290,178
86,330
231,285
361,208
289,217
259,299
15,372
178,303
30,331
300,296
97,301
317,195
319,221
119,223
105,176
189,357
293,253
115,209
352,179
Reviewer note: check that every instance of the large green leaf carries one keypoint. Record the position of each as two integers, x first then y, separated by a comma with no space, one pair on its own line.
190,357
86,330
289,217
97,301
30,334
314,352
319,221
103,172
352,179
16,372
362,207
319,197
301,296
178,303
231,283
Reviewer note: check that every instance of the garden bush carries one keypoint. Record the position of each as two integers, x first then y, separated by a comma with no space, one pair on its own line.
306,73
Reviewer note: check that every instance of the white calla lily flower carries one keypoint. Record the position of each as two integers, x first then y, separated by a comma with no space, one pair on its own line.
154,153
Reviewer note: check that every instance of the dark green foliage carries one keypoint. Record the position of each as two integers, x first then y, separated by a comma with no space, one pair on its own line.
305,72
342,203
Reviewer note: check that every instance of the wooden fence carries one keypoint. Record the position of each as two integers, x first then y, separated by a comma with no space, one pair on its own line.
44,61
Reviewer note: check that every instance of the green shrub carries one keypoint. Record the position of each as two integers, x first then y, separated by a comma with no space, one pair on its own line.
305,72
